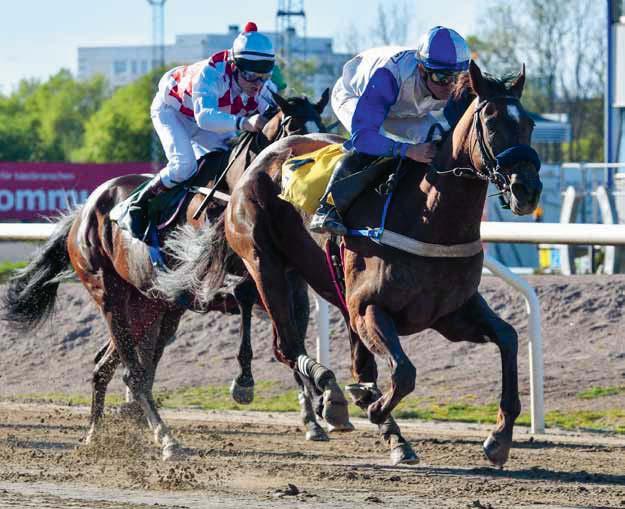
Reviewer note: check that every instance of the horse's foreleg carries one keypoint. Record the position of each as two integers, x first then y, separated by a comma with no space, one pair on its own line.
478,323
107,361
379,332
242,388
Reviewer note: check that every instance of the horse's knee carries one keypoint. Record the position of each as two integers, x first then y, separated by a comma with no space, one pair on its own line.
507,338
135,382
405,378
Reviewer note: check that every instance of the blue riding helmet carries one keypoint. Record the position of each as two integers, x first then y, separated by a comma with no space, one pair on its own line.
443,49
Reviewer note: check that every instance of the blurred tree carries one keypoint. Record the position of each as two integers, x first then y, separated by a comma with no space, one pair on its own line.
298,76
46,120
562,43
391,27
121,129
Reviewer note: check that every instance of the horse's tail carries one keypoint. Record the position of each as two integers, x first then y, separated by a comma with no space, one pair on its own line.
202,259
29,299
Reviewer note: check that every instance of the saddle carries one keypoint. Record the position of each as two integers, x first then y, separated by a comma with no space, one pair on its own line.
164,208
305,177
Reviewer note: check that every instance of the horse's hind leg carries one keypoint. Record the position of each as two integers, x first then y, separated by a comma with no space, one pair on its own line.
475,321
242,388
378,331
300,306
314,431
107,361
120,305
273,287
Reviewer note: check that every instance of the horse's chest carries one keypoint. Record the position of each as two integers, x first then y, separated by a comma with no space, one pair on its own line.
419,293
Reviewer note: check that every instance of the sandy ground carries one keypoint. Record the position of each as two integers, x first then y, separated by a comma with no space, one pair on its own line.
240,460
584,346
248,460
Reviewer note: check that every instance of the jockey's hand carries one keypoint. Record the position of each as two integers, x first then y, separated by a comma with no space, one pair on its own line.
421,152
254,124
246,125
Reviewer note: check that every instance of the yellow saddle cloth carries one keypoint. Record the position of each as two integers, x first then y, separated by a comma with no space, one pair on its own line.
305,177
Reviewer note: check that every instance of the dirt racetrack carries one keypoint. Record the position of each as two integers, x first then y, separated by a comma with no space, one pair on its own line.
239,460
245,460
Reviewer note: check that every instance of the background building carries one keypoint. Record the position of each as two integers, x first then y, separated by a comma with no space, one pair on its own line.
124,64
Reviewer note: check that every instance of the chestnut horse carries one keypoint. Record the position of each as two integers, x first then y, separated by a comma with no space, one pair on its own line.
117,271
391,292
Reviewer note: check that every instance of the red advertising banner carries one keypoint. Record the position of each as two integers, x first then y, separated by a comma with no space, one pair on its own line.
32,191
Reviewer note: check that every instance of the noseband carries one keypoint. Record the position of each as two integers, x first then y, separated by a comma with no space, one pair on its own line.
494,164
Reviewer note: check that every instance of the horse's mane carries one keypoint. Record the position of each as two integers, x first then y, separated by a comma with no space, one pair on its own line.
496,85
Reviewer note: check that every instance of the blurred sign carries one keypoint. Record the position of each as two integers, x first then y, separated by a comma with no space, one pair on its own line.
32,191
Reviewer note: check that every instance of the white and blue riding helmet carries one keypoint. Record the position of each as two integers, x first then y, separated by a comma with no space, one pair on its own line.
443,49
253,51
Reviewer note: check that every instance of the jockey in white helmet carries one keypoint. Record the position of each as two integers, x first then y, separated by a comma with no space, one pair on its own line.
199,107
384,99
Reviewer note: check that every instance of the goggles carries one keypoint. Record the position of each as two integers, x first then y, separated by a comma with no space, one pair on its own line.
253,77
442,77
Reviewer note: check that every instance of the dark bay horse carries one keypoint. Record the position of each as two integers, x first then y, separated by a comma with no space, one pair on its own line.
390,292
117,272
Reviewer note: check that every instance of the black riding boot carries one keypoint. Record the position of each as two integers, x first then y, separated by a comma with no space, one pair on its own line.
350,178
138,209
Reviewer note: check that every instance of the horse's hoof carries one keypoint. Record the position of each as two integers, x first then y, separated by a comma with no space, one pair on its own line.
316,433
343,428
335,411
496,452
242,394
403,454
89,437
173,452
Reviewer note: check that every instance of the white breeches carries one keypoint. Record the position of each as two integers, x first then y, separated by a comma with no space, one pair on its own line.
183,142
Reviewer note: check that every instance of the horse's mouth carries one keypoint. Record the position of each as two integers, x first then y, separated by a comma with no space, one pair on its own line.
524,194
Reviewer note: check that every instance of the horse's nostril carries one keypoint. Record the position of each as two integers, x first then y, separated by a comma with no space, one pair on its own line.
520,191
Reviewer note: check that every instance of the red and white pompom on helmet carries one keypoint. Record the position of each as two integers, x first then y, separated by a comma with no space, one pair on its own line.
253,51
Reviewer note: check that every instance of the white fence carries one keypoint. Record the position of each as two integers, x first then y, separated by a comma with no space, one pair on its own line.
553,233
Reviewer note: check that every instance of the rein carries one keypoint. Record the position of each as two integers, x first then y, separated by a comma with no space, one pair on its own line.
495,163
246,139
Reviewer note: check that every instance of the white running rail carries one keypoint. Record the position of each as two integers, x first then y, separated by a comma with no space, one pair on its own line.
552,233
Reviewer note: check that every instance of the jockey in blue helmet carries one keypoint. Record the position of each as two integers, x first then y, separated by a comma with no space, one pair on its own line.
384,99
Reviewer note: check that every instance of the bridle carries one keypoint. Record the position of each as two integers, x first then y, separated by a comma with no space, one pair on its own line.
494,164
288,119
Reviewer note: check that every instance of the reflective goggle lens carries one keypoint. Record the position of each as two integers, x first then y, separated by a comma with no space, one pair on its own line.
253,77
442,77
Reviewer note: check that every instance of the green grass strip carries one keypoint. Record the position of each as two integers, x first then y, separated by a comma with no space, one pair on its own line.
269,397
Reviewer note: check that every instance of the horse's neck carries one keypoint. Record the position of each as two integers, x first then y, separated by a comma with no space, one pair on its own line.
452,200
246,150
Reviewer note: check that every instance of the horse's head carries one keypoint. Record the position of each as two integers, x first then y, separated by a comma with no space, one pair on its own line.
499,139
296,115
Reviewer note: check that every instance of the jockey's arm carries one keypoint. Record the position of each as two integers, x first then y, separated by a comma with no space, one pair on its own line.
371,111
206,93
266,104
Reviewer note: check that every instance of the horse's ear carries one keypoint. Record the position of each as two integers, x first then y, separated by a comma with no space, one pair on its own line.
477,80
516,88
282,103
323,102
